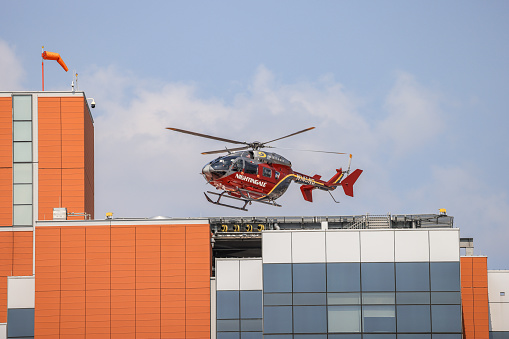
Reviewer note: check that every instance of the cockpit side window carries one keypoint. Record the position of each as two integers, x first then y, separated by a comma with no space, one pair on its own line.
250,168
267,172
222,164
237,165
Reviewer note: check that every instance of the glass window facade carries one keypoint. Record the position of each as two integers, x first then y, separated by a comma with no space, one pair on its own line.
22,157
277,278
377,277
343,277
445,276
373,300
309,278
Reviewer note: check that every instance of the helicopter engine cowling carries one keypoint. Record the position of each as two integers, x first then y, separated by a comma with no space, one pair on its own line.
271,158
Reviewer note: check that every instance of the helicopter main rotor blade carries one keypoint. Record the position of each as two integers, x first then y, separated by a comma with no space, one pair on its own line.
307,150
207,136
290,135
227,150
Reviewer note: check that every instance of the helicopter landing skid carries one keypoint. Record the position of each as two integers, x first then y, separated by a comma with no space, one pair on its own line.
246,200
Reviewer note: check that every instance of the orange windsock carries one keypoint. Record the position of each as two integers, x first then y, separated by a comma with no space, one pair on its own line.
54,56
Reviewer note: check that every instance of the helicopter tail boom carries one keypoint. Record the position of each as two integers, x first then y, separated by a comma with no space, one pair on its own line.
333,182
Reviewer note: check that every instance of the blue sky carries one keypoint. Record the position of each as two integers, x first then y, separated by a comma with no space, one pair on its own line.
414,89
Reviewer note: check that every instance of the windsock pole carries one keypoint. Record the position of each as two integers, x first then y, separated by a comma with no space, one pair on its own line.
42,69
51,56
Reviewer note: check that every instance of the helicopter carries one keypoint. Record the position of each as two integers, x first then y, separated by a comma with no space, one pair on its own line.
248,174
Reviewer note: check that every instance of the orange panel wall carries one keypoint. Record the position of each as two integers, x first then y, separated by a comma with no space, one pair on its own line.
65,148
474,297
15,260
197,287
5,161
89,161
123,281
50,156
173,282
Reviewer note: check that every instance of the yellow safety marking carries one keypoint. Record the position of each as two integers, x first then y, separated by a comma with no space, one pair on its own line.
312,181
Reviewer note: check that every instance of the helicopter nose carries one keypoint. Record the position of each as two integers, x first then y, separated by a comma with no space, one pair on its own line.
207,172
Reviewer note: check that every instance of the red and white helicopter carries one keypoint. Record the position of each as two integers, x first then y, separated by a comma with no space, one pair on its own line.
250,175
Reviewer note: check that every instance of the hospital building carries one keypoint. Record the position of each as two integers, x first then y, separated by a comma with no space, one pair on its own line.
68,273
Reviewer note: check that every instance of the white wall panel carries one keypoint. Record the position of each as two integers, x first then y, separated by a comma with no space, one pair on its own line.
20,292
308,246
444,245
377,246
251,274
227,274
213,314
343,246
499,313
498,281
276,247
411,245
3,331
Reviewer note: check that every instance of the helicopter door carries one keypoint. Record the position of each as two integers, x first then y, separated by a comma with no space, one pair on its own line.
250,168
267,173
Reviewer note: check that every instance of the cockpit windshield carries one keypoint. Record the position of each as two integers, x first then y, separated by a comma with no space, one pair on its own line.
222,164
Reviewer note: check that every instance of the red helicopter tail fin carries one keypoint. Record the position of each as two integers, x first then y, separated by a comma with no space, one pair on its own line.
307,192
348,182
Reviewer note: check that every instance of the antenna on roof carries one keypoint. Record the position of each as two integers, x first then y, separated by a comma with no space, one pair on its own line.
74,81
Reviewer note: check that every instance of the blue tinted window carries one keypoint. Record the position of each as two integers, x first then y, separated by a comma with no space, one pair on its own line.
20,322
277,299
228,325
343,277
228,335
343,298
310,336
250,304
459,336
412,297
445,276
277,336
412,276
377,277
446,298
379,318
251,325
378,298
309,299
414,336
277,319
446,318
414,318
227,304
379,336
309,278
493,335
344,336
251,335
309,319
344,318
277,277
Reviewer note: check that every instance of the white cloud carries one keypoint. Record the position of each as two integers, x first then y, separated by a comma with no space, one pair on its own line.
11,69
142,169
130,133
479,210
414,115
